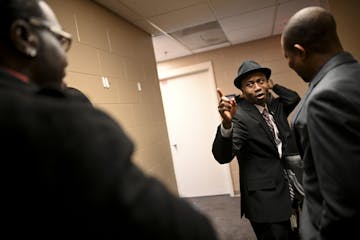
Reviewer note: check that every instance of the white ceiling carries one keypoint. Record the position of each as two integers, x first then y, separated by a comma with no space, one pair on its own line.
185,27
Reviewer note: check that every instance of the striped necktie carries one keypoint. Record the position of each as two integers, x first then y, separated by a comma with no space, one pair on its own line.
268,121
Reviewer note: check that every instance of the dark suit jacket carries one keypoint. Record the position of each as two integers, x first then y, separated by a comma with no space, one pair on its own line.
264,189
66,172
327,130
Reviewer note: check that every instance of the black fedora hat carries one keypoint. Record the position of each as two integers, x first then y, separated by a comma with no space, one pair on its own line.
248,67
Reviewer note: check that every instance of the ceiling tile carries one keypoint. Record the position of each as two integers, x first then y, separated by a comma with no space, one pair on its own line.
249,26
201,36
282,1
228,8
248,34
157,7
120,9
166,48
287,9
147,27
183,18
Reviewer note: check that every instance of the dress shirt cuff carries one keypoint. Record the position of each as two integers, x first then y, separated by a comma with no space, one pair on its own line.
226,132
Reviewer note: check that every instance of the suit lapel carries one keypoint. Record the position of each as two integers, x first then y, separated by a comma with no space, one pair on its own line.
277,122
256,115
8,81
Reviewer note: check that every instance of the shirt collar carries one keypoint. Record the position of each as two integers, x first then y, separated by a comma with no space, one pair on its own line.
18,75
261,108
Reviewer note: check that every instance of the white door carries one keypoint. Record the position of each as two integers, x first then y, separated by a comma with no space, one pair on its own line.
190,105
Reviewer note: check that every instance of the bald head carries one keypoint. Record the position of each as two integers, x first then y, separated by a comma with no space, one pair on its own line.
313,28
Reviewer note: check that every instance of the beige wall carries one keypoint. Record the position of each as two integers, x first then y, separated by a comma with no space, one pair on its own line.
347,17
106,45
226,61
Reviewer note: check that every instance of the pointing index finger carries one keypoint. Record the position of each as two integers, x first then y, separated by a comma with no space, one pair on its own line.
220,92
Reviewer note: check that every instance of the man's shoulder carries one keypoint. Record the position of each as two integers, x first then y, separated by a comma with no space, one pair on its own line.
246,112
244,106
55,117
46,109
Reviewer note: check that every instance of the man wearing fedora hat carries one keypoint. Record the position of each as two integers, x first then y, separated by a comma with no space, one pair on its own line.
255,129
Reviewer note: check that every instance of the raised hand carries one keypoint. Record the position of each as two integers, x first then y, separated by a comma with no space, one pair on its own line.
226,108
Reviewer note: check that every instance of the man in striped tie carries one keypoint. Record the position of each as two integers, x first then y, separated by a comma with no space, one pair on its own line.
255,129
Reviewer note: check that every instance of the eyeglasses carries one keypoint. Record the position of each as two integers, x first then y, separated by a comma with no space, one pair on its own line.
64,38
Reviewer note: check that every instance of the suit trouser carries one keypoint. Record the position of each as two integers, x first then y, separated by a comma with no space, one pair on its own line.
273,231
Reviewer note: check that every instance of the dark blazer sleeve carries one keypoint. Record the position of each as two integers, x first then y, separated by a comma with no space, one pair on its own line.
287,97
222,148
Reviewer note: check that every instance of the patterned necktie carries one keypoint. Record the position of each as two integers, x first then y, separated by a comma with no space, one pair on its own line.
266,116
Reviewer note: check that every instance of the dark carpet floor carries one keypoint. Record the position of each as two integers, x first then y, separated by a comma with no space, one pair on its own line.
224,212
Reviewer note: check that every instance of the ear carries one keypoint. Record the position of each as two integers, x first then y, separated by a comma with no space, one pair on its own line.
241,94
300,50
24,38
